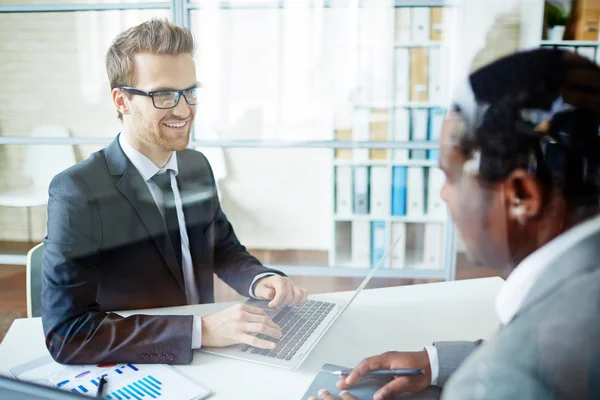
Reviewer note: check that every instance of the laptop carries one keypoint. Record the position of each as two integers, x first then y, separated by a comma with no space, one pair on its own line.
301,326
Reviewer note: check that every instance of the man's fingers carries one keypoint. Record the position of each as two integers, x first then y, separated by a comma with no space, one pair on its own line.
325,395
255,327
256,342
298,296
280,293
262,319
368,364
392,389
344,395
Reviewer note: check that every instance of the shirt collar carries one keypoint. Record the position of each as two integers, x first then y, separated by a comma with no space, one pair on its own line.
143,164
518,285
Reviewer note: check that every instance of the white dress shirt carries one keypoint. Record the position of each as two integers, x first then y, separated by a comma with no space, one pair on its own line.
147,170
518,285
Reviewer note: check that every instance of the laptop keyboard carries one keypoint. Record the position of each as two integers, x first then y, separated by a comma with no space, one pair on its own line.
297,325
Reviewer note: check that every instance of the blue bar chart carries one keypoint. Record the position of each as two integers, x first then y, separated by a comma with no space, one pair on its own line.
147,386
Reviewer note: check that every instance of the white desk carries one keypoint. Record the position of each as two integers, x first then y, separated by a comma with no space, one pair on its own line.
399,318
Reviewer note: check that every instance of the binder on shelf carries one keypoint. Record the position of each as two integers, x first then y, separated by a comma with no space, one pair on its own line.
343,243
401,132
380,192
402,66
432,258
588,52
418,130
436,83
398,229
588,19
379,132
377,241
436,32
398,191
415,245
361,244
361,190
415,192
402,25
343,190
436,207
419,68
420,24
360,132
436,120
343,134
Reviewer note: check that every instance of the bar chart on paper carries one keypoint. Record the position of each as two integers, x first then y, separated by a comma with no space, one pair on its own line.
129,382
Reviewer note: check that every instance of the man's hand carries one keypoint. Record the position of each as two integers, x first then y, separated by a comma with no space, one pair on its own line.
234,325
280,290
392,360
325,395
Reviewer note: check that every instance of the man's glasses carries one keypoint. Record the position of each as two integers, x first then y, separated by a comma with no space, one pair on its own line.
165,99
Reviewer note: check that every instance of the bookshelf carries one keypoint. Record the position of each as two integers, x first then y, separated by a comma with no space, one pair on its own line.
401,96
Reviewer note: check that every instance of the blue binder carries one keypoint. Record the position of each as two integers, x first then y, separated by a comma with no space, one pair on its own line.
436,118
398,191
377,241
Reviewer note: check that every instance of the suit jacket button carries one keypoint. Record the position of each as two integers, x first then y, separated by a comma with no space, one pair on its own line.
154,357
146,357
161,358
170,357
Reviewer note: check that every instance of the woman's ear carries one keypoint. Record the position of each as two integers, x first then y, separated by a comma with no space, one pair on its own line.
524,196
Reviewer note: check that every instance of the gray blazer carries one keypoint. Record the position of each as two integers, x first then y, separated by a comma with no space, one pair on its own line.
550,350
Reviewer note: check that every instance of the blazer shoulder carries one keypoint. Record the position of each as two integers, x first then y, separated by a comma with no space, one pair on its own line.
83,175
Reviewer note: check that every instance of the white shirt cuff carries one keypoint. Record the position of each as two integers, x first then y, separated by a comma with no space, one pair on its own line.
256,278
434,363
197,333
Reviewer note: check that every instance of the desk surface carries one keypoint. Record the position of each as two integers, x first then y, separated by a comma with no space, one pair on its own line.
399,318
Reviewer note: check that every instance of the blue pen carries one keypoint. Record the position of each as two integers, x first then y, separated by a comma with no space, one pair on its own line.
387,372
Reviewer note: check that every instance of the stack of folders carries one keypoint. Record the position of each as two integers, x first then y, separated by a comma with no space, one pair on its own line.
419,70
365,191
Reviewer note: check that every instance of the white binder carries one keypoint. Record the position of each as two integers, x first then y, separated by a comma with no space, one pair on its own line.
415,192
588,52
433,252
419,124
361,191
361,244
380,192
435,75
401,132
343,191
360,132
402,76
420,24
436,207
397,257
402,26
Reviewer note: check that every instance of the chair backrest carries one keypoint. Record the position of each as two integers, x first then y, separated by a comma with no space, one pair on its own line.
34,281
43,162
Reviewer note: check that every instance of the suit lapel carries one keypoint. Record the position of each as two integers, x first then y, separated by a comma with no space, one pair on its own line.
133,187
580,258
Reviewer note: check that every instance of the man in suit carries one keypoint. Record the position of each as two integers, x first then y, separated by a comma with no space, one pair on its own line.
521,154
138,225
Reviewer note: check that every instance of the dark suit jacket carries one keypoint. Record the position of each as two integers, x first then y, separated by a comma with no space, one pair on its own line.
107,249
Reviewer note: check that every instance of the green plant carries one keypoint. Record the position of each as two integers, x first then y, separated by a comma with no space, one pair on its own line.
555,16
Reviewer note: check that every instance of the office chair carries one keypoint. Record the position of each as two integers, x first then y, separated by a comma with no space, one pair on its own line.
34,281
41,164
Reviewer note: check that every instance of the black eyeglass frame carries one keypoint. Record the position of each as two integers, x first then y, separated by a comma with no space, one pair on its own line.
179,94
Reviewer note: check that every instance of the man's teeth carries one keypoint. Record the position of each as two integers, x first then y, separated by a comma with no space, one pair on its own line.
179,125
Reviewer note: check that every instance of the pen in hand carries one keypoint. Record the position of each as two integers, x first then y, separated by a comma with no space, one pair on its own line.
100,391
387,372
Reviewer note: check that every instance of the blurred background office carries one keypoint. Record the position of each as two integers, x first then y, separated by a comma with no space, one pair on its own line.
320,119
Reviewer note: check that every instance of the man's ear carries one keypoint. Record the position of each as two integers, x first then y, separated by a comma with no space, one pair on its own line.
524,196
121,101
